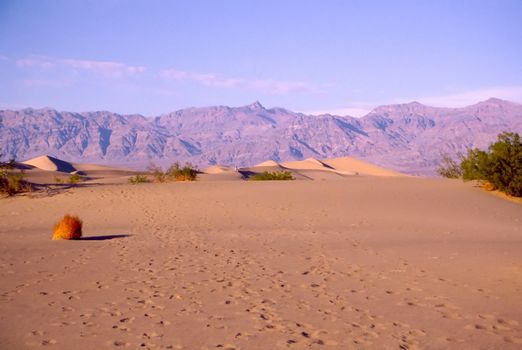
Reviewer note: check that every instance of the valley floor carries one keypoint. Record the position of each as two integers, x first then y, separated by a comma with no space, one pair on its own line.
356,263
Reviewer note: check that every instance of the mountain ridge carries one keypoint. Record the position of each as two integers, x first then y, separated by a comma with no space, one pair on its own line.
407,137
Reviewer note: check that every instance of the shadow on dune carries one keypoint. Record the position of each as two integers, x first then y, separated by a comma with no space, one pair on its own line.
246,173
103,237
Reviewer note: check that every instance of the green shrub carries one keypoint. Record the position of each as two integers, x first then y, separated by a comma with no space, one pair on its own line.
138,179
475,165
12,182
185,173
174,173
505,164
500,165
74,179
276,175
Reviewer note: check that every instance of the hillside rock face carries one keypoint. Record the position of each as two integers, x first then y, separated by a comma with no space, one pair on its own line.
406,137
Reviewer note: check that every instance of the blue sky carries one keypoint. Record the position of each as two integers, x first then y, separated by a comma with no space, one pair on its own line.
152,57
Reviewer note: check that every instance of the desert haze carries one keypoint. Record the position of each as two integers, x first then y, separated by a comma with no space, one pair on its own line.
347,256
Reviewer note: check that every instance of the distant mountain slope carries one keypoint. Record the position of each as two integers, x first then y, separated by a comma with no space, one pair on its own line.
405,137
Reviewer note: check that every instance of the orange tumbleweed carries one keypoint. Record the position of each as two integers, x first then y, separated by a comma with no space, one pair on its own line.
69,227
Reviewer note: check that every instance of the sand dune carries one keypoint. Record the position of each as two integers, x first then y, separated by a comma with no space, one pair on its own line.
352,165
309,169
315,169
217,169
342,166
361,263
272,166
327,169
268,163
307,164
220,173
49,163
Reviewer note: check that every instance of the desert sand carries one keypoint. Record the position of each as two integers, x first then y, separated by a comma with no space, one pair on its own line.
351,262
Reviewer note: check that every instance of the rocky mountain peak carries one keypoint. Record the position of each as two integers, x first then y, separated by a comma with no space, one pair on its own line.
255,106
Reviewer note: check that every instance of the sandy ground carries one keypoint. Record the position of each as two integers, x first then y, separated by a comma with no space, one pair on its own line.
358,263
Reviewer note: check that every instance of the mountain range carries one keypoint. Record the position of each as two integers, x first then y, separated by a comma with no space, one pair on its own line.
407,137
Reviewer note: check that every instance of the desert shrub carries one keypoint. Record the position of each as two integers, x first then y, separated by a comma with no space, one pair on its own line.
185,173
449,168
475,165
500,165
138,179
12,182
74,179
69,227
505,160
276,175
174,173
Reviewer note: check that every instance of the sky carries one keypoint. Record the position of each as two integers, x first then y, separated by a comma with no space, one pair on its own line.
324,56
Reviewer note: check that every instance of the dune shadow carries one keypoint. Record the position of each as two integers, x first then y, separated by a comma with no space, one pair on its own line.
103,237
246,173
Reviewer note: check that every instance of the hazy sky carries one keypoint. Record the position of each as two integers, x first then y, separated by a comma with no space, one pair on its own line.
151,57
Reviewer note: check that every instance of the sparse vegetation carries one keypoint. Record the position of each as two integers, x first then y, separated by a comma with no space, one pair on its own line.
449,168
138,179
12,182
500,167
185,173
157,173
174,173
269,176
69,227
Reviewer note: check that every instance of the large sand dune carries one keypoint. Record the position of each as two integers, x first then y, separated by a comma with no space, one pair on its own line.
361,263
48,163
